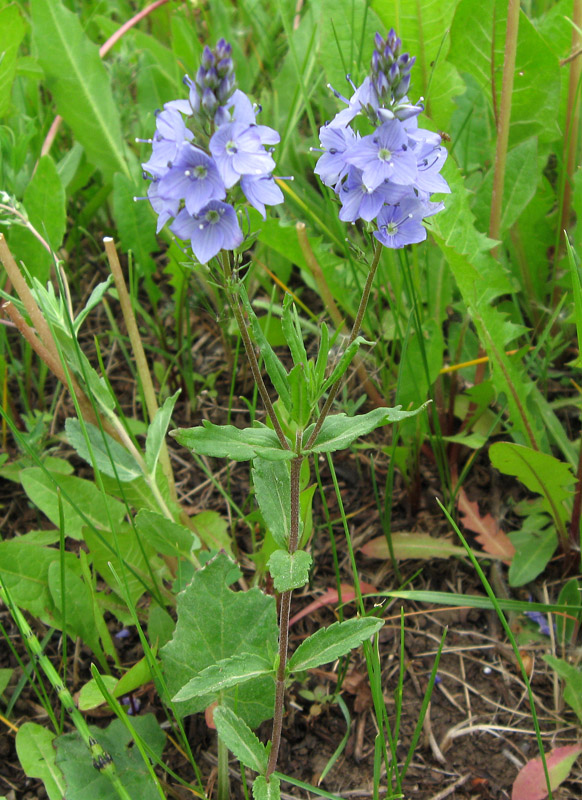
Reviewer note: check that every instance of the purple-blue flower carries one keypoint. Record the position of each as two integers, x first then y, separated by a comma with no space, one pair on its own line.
384,155
361,202
332,166
261,190
213,229
194,178
238,150
171,133
401,224
363,98
164,208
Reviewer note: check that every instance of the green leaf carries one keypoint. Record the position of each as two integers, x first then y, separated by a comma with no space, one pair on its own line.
44,201
226,441
413,545
540,472
300,405
346,359
111,458
91,696
534,547
327,644
157,432
248,624
240,739
267,791
79,84
229,672
573,678
166,536
292,331
5,675
272,482
289,570
12,30
90,507
37,756
567,625
339,431
78,602
213,530
135,223
84,782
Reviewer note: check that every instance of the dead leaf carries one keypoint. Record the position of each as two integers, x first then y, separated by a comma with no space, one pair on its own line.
489,535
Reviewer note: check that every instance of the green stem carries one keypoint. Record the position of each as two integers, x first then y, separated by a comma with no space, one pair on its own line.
102,761
355,330
223,785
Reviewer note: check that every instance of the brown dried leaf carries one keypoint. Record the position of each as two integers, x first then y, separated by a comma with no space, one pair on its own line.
489,535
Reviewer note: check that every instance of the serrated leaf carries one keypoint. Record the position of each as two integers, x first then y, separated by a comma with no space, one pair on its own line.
339,431
157,431
540,472
111,458
224,674
37,756
289,570
238,444
79,84
327,644
84,782
240,739
272,482
267,791
248,624
166,536
530,783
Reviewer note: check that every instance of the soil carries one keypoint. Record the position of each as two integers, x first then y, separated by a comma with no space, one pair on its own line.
478,728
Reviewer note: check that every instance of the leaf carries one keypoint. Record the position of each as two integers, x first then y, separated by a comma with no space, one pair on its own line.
240,739
346,359
412,545
135,223
540,472
534,547
267,791
289,570
111,458
530,783
573,679
213,530
272,482
44,201
226,441
229,672
166,536
78,602
79,84
91,696
339,431
84,782
37,756
157,432
489,535
327,644
567,626
248,624
12,30
82,503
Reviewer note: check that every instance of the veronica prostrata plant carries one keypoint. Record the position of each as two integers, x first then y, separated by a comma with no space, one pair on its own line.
208,155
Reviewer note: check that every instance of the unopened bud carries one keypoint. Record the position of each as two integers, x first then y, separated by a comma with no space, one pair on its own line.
402,89
209,101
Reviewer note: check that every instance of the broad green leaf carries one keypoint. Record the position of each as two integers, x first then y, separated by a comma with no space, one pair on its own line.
248,625
135,224
12,30
540,472
213,530
531,784
84,782
267,791
413,545
327,644
239,444
91,696
157,432
111,458
573,679
229,672
272,482
339,431
240,739
83,504
78,604
37,756
289,571
166,536
534,546
160,626
79,84
44,201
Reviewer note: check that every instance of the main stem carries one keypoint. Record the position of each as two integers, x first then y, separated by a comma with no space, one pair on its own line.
285,613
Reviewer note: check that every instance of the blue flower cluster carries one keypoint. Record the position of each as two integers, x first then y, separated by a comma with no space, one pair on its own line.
195,165
388,174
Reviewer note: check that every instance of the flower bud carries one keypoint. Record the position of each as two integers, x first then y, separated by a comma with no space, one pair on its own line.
223,49
207,59
402,88
209,101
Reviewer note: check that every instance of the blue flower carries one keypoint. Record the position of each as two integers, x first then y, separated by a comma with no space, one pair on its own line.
361,202
170,134
164,208
363,100
385,155
194,178
332,166
401,224
238,150
213,229
261,190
